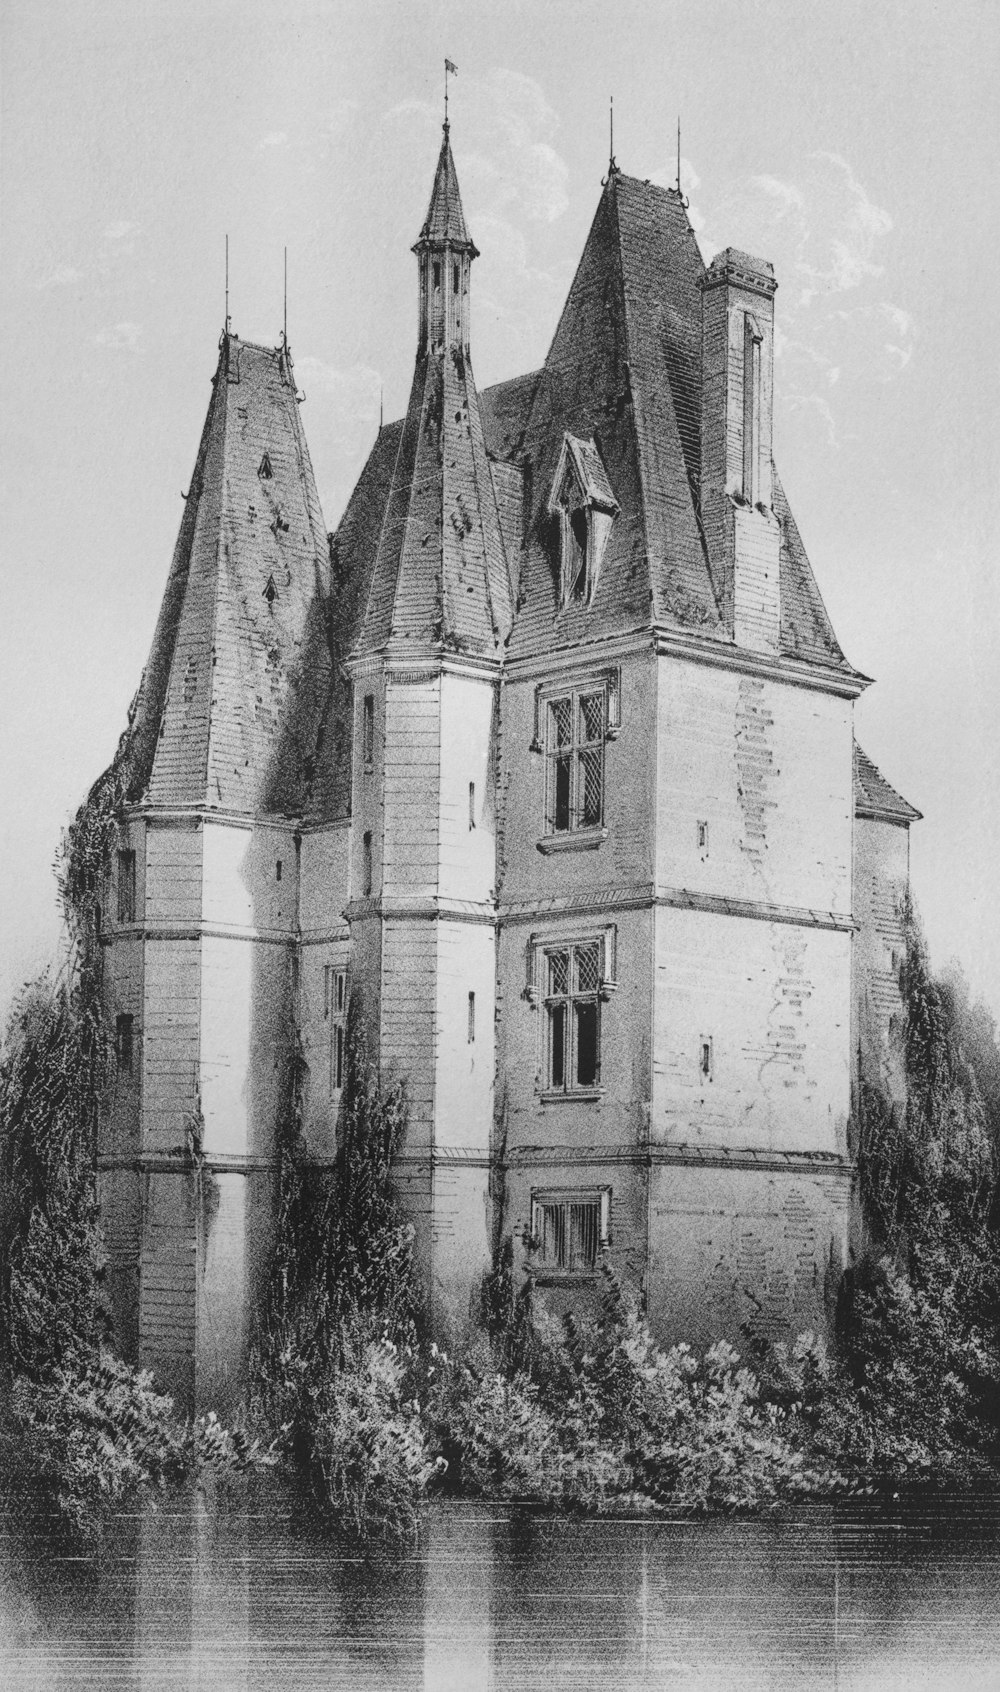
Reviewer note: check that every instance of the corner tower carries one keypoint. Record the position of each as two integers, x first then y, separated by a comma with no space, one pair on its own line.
201,917
426,672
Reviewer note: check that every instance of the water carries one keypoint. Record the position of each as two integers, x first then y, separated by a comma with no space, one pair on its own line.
242,1593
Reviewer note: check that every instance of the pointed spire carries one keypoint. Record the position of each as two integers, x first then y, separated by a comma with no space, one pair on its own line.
236,671
444,224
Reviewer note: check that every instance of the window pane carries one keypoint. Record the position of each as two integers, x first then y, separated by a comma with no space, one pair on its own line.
557,1045
560,795
558,973
338,1067
588,967
590,784
553,1234
561,719
586,1042
592,716
584,1228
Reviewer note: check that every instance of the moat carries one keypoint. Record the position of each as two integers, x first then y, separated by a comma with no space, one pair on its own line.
199,1592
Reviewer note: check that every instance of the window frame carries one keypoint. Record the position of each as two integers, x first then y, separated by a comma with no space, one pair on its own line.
125,883
564,1199
541,949
368,732
336,999
574,755
125,1044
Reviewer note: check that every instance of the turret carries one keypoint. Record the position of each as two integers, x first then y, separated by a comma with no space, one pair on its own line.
444,256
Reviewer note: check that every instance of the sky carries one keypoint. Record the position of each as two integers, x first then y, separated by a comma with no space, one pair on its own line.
855,145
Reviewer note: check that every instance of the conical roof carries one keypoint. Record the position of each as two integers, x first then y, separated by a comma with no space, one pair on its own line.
239,668
445,220
439,576
440,579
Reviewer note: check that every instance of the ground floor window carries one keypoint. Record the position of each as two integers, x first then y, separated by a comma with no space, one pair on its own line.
570,1229
335,1011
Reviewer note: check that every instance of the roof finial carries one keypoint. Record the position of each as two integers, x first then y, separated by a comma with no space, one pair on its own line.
612,167
449,70
227,284
381,397
678,152
284,319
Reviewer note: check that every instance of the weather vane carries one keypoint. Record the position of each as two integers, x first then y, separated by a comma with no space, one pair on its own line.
449,70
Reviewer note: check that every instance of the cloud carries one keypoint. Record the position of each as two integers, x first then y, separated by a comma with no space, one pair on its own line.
122,336
117,231
274,138
342,427
786,196
502,134
63,276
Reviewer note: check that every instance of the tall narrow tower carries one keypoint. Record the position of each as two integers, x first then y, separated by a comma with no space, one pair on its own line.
201,919
426,678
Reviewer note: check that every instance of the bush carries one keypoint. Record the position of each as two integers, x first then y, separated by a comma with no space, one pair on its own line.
602,1418
917,1388
91,1433
368,1446
491,1432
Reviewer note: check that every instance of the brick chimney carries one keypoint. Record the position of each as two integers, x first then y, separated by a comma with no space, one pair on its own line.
736,413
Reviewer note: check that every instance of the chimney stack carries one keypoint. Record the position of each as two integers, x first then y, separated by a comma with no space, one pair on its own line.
736,420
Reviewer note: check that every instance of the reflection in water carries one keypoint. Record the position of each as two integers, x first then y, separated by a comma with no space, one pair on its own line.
239,1594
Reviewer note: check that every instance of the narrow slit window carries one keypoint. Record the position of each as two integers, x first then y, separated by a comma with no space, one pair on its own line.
366,863
752,343
277,870
703,837
437,275
705,1060
472,1019
455,278
472,804
368,732
124,1044
335,1008
126,886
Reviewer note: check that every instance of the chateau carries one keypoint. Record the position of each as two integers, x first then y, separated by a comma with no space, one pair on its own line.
543,763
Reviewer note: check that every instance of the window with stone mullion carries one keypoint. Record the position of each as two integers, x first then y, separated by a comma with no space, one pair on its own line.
573,1017
576,762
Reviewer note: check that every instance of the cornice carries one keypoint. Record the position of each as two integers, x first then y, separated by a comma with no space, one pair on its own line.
643,896
654,1155
670,643
196,929
419,667
193,816
430,909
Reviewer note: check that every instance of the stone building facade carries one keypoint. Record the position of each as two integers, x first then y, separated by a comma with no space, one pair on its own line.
543,764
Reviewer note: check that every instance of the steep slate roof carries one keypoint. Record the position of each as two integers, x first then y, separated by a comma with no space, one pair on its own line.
624,369
445,220
440,579
239,669
873,797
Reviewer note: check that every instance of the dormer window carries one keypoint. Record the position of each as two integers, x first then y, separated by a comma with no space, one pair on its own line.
585,509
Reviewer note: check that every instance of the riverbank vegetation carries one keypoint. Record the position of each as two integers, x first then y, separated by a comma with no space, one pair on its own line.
591,1413
79,1428
585,1414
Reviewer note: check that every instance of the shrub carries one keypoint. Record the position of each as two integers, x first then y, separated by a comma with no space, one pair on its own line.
491,1431
91,1433
368,1446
